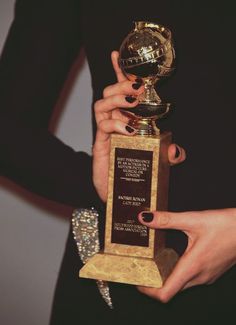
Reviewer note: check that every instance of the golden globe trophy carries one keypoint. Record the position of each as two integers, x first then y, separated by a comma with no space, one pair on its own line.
139,170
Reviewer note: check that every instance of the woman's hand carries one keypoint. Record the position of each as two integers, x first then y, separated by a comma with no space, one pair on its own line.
211,249
109,120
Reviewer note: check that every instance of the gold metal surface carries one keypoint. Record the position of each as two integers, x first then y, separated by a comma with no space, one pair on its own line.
147,53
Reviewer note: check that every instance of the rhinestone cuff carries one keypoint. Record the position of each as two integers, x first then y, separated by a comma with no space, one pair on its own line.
85,231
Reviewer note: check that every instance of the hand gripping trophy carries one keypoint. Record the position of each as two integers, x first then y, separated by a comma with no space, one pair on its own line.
139,170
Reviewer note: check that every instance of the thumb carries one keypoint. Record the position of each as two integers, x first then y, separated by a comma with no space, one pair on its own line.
119,74
167,220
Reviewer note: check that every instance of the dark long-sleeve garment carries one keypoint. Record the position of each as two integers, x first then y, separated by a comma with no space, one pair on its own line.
40,50
42,45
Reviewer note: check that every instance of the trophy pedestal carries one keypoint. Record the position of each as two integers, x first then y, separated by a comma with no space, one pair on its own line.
138,181
131,270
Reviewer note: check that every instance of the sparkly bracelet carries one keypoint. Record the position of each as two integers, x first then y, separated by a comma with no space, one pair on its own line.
85,231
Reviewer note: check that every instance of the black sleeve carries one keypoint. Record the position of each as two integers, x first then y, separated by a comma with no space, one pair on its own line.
41,46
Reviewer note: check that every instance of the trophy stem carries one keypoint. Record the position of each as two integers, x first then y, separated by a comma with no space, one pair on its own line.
149,96
145,126
143,117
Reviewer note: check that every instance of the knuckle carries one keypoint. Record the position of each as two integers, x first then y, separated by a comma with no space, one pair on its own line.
163,297
117,100
106,91
114,124
128,85
97,105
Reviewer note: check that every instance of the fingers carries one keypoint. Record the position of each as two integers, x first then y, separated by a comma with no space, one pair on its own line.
176,154
107,105
123,94
189,265
106,127
110,119
183,273
203,262
119,74
125,87
184,221
150,292
185,270
175,283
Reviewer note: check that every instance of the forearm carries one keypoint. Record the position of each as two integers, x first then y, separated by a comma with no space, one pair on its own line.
41,47
41,163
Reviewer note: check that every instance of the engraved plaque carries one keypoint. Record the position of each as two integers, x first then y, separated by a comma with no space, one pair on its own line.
132,189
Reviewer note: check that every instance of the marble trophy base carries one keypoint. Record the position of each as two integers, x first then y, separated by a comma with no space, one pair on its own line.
138,181
131,270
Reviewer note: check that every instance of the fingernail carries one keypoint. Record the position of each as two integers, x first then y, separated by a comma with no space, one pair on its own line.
139,80
177,152
129,129
136,86
147,216
130,99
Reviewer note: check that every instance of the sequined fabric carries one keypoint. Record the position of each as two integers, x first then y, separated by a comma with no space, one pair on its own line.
85,231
